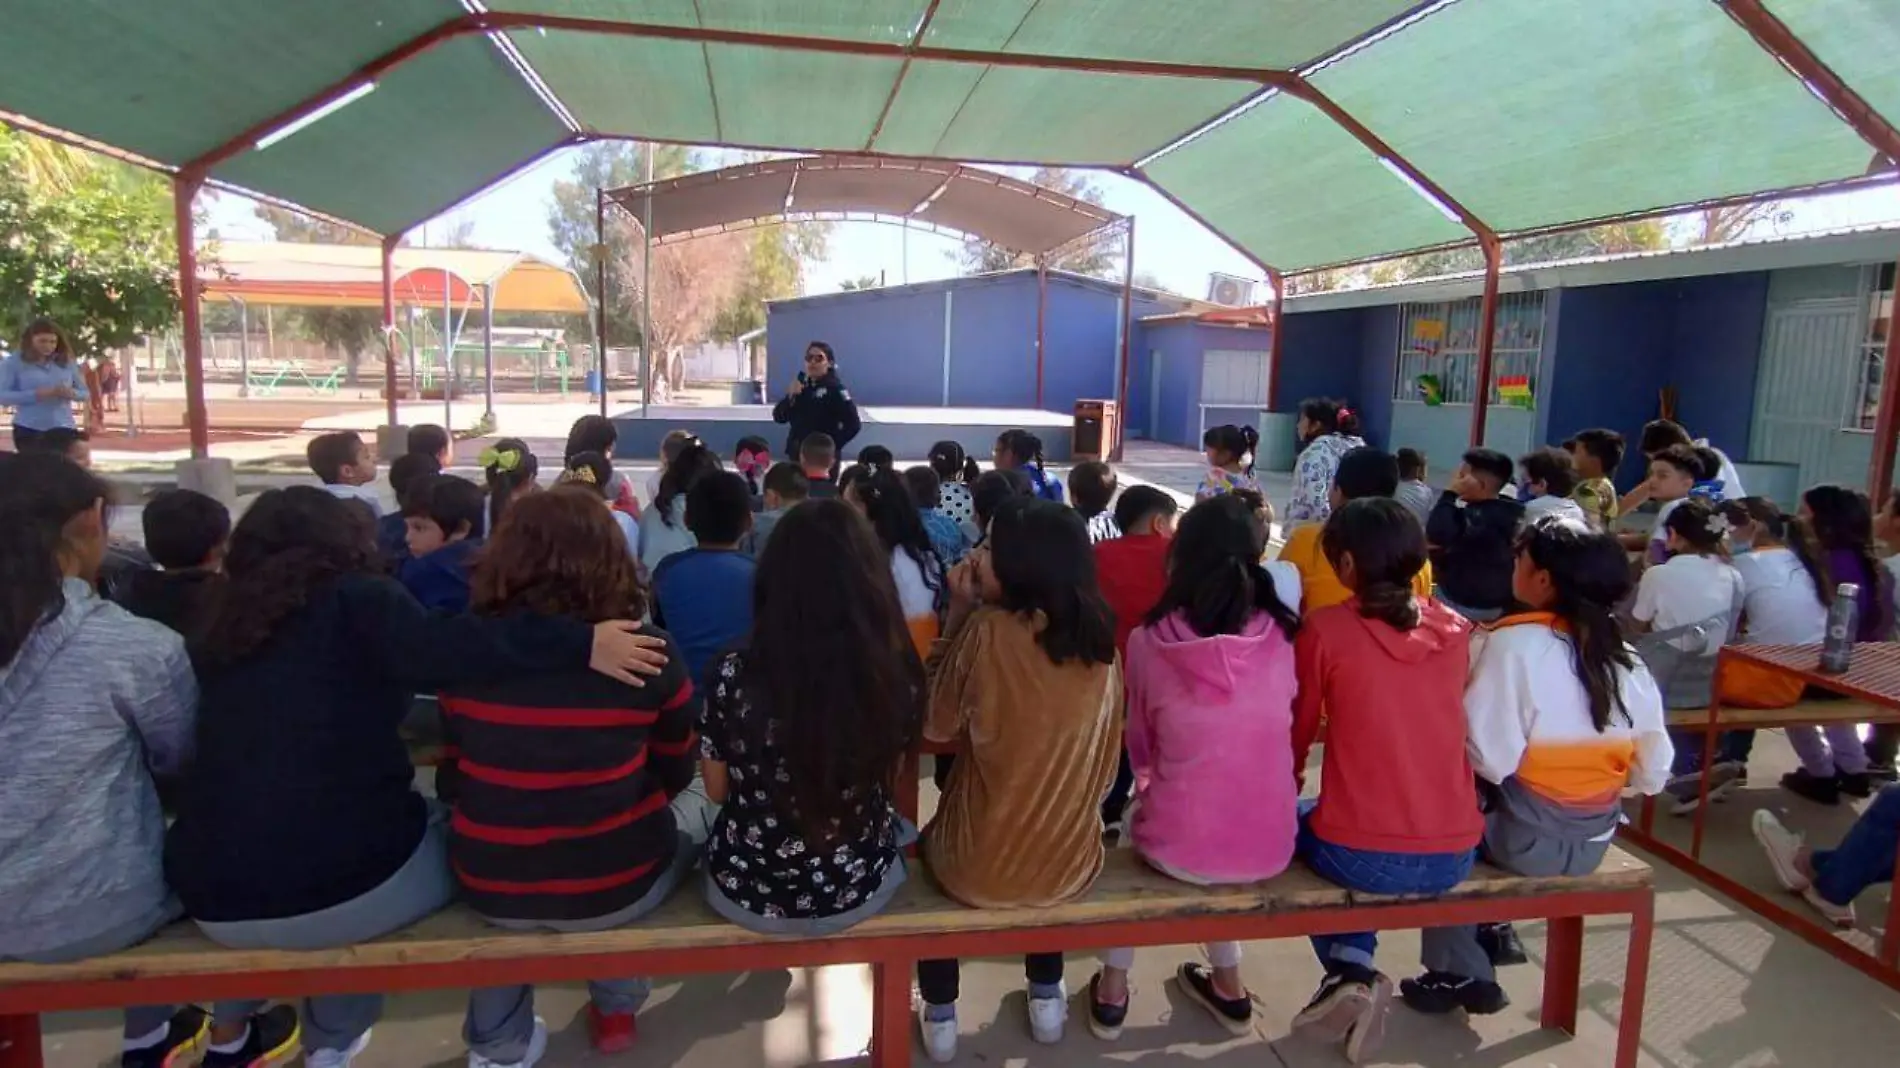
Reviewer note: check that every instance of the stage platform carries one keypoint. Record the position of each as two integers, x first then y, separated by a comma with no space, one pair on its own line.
907,432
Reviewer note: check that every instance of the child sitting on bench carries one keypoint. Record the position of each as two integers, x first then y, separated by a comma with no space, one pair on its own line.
1210,714
443,521
551,829
1562,716
186,532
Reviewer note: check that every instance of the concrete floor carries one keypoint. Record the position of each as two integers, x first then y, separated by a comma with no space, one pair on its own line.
1726,990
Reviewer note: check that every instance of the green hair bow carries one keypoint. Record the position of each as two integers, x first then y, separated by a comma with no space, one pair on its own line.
501,459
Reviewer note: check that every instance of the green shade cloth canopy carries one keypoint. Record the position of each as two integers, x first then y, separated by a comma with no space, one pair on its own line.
1530,114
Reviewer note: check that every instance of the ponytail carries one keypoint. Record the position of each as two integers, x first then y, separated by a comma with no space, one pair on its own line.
507,465
971,472
1590,573
953,464
1251,438
1387,547
1788,530
1215,581
1597,652
1329,416
39,494
1389,603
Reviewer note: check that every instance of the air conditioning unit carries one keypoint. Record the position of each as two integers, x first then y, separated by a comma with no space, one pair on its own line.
1229,291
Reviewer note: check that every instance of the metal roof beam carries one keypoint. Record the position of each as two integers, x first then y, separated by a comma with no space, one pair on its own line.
916,41
1775,38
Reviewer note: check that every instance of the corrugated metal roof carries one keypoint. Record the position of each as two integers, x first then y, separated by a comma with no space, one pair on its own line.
939,285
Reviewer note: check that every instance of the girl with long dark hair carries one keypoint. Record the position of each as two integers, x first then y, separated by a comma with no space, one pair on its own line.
880,493
597,843
41,383
1842,521
1019,450
804,728
1023,682
1397,812
1561,716
301,828
1230,457
95,705
1328,430
663,530
597,434
957,471
1210,710
1785,598
511,471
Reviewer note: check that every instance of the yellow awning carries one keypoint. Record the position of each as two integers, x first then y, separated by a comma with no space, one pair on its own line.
283,273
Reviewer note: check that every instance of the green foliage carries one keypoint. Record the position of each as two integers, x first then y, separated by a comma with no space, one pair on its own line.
869,281
571,225
775,269
85,241
1099,257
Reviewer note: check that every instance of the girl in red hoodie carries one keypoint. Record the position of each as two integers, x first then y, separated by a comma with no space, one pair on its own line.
1398,812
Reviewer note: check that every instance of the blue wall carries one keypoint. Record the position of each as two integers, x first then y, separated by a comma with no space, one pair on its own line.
1715,353
890,341
1181,344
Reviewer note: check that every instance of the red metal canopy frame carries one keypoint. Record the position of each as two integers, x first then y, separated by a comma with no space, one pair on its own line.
1768,31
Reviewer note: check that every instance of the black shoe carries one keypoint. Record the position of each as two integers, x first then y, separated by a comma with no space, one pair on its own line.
1813,787
1105,1020
1883,773
1437,993
273,1039
1860,785
1197,980
186,1033
1500,943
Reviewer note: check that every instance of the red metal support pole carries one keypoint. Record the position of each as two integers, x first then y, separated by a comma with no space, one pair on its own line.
185,188
1887,417
1128,330
1042,320
1779,41
389,329
600,301
1274,349
1487,335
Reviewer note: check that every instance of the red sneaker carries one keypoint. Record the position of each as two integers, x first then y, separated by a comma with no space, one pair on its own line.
611,1032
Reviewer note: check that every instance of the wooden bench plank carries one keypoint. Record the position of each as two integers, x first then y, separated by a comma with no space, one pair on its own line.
1127,891
1819,713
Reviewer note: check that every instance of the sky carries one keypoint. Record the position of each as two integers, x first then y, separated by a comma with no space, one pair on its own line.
1170,245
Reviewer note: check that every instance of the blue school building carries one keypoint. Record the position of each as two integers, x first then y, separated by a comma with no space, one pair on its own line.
1770,348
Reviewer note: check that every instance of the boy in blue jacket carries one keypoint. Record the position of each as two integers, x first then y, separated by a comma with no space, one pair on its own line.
442,517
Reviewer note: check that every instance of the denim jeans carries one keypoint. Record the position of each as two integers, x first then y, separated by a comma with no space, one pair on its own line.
1372,872
1865,856
1730,746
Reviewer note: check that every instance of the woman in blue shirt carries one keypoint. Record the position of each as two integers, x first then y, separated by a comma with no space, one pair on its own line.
41,383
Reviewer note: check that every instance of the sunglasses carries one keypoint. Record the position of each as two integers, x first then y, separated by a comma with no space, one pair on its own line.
814,357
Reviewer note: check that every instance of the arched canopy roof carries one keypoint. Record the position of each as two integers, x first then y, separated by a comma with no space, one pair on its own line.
942,196
274,272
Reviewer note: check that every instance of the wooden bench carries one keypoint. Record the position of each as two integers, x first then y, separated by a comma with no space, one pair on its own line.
1802,713
1131,905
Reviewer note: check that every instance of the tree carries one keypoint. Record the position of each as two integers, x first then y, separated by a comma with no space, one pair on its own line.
1731,222
350,331
1099,256
88,243
775,261
866,281
571,217
691,282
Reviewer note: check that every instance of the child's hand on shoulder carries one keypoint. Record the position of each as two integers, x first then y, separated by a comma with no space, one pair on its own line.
966,594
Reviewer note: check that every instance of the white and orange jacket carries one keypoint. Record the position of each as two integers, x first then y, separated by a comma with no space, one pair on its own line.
1528,716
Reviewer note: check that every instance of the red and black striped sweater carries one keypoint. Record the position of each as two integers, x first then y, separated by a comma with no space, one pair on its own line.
561,811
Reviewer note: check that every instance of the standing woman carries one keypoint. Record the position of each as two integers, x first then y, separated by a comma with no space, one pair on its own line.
40,383
1019,450
817,403
1328,430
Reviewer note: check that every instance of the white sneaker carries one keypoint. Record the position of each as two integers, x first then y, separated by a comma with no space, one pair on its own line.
940,1036
537,1048
336,1058
1046,1017
1839,915
1781,845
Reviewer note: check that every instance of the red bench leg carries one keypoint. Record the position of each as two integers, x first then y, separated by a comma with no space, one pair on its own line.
20,1042
1563,973
890,1015
1629,1029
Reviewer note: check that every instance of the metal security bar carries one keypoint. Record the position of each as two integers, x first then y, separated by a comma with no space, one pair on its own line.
1438,351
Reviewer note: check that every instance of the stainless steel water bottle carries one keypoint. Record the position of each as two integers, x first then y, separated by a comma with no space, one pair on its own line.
1843,622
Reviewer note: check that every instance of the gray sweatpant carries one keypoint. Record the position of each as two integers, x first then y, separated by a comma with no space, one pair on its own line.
1516,847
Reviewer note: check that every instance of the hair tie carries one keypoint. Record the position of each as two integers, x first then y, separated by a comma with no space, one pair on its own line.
580,474
1345,412
500,459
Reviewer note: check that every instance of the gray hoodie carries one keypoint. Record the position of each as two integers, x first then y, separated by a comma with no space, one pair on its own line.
95,703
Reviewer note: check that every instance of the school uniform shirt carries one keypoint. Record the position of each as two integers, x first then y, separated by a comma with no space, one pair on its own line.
21,381
302,796
955,501
704,598
1417,497
1318,583
756,539
1528,715
392,541
1043,484
1597,497
664,533
918,599
1102,528
365,494
1549,504
439,580
1687,589
951,543
822,489
1472,555
759,859
1780,603
1132,571
564,782
1037,744
1209,723
1395,776
1730,478
179,599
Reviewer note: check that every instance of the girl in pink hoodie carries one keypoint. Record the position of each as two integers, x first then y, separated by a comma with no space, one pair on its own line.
1210,681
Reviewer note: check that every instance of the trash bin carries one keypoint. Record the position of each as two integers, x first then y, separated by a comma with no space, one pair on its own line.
593,383
1096,430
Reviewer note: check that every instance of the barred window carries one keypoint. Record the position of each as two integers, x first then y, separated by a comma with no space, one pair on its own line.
1877,315
1438,351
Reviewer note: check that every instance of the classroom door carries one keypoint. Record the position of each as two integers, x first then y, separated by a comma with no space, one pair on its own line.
1801,397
